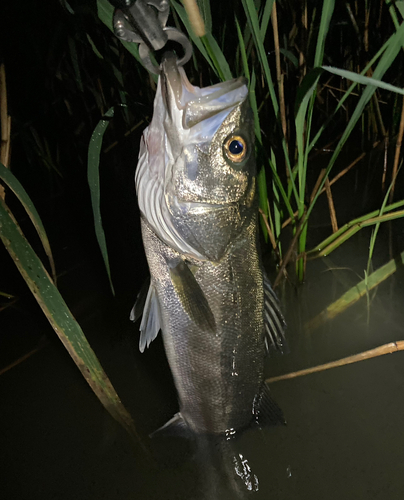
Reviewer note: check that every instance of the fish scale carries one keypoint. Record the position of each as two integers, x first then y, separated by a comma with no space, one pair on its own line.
217,375
208,293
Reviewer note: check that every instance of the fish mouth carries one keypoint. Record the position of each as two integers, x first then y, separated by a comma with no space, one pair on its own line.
197,104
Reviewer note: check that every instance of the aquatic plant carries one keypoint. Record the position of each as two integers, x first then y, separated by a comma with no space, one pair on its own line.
295,131
295,74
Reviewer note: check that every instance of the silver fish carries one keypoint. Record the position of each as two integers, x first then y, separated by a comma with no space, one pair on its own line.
196,188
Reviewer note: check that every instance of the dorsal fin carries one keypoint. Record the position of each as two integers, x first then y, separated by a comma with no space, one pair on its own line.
191,296
274,321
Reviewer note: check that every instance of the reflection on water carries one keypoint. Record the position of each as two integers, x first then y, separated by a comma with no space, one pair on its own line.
343,438
220,467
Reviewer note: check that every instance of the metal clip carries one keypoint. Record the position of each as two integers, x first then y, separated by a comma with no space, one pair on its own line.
144,22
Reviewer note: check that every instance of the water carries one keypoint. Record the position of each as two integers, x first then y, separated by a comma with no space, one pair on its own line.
344,434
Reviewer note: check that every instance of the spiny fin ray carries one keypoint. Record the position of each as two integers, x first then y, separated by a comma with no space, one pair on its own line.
274,321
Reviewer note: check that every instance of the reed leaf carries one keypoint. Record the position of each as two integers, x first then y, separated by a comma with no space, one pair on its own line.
217,57
60,317
373,237
303,99
327,12
266,15
258,37
75,62
387,59
363,80
352,228
346,95
244,59
261,181
93,177
355,293
14,184
320,247
400,6
179,9
252,18
204,8
303,122
393,13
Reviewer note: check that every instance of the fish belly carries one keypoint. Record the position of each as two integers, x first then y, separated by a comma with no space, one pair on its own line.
218,374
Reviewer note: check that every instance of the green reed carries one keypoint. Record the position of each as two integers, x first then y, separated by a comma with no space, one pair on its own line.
296,128
289,126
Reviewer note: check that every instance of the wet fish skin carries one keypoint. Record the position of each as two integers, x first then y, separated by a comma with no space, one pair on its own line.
199,228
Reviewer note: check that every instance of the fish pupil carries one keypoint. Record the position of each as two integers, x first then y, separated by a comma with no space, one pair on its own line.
236,147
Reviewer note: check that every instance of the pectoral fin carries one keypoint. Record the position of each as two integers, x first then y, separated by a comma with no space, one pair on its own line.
137,309
191,295
151,322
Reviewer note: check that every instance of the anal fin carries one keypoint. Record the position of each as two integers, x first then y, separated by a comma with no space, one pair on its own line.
266,410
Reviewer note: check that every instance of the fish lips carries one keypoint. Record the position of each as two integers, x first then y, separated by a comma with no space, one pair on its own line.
194,103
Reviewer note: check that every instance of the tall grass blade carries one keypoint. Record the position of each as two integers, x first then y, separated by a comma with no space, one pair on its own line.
363,80
266,15
179,9
321,246
252,18
93,177
350,229
303,122
355,293
244,57
217,57
345,96
304,97
14,184
60,317
393,13
400,6
391,52
75,62
206,44
204,8
327,12
377,226
258,36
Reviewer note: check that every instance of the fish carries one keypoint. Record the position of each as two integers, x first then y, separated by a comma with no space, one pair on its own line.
196,185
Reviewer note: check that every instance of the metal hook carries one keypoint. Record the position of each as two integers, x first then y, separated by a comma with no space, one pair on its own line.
174,35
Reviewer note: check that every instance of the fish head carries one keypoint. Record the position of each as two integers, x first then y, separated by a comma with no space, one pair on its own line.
207,164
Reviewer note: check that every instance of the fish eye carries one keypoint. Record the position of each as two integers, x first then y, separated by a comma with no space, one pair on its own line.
235,148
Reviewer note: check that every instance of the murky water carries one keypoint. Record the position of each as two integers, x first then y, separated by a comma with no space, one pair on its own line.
344,434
